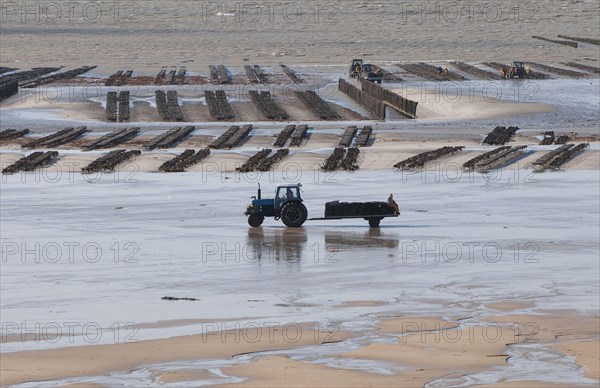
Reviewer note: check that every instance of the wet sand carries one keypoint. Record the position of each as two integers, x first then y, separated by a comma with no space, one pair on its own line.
438,352
428,350
56,364
368,285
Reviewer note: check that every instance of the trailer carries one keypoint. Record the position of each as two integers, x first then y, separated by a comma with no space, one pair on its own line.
372,212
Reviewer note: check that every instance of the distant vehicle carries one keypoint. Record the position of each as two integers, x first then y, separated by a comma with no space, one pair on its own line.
516,70
287,206
361,70
355,68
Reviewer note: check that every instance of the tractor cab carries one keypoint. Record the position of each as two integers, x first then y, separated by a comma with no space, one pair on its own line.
517,70
285,193
355,68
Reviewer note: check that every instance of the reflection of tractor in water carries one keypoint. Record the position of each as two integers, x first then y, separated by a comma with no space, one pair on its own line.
271,245
361,70
516,70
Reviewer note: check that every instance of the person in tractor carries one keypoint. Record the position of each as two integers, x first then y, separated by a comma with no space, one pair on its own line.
289,194
393,204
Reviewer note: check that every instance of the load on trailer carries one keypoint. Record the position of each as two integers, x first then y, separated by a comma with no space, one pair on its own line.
288,206
373,211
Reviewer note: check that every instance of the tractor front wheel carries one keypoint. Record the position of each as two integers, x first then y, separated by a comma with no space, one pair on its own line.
293,214
254,220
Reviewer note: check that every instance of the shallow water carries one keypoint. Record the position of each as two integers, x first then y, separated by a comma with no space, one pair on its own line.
101,255
525,362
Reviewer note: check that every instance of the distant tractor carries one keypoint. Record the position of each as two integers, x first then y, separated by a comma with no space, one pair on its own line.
361,70
287,206
516,70
355,68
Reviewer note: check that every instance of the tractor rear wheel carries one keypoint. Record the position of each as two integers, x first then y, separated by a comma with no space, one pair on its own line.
254,220
293,214
374,222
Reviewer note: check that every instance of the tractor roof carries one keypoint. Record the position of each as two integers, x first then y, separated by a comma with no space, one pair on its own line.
290,185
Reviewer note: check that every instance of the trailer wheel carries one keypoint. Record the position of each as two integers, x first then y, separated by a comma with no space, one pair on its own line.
293,214
254,220
374,222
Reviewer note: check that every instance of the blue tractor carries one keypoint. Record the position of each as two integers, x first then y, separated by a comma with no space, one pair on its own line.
287,206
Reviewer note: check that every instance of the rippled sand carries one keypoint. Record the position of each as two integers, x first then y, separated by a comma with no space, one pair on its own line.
147,34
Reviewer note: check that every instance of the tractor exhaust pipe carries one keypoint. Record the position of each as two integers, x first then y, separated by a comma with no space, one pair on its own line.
259,191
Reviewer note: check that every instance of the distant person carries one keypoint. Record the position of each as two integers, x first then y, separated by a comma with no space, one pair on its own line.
393,204
439,70
446,71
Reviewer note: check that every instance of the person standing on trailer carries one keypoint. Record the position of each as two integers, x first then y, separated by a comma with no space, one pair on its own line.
393,204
